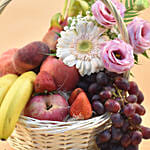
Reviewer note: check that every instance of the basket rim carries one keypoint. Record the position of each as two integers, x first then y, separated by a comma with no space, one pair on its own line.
25,118
57,127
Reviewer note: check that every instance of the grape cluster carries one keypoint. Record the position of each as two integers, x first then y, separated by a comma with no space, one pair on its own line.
111,92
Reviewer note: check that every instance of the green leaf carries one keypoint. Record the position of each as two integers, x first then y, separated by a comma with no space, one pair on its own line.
52,54
130,16
131,3
136,58
49,54
129,20
58,33
126,4
132,12
145,55
132,75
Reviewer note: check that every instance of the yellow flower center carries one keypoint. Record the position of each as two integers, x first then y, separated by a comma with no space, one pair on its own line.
84,46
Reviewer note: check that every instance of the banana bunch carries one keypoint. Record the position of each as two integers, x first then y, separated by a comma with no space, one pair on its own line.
14,102
5,83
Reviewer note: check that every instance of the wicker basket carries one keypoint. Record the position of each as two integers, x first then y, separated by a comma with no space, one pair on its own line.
33,134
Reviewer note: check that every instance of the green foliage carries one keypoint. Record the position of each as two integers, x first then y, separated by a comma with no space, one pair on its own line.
141,4
58,34
111,35
78,6
133,7
145,55
90,2
136,58
132,75
130,11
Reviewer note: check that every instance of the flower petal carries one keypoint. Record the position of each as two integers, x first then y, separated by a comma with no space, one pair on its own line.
70,60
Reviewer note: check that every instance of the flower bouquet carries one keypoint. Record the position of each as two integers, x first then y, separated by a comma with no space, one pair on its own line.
72,90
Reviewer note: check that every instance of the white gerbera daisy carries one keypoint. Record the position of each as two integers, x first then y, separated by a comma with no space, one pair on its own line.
80,46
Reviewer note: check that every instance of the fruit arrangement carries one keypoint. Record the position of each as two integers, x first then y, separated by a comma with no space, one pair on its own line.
80,70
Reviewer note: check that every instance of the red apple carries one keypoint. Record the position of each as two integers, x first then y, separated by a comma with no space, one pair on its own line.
47,107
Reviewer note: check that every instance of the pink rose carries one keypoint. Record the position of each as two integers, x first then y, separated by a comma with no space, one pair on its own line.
139,34
103,15
117,56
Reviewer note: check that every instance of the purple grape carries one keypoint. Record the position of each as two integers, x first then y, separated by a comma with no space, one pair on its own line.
125,126
109,88
133,88
116,147
140,97
98,107
104,95
112,106
117,120
112,74
116,134
139,109
122,83
132,98
136,138
102,79
91,78
135,119
119,100
145,132
125,140
129,109
83,85
103,146
92,88
103,137
132,147
96,98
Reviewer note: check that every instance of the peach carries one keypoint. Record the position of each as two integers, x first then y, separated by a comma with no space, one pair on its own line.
6,65
30,56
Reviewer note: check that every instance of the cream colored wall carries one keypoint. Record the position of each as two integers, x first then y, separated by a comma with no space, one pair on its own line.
24,21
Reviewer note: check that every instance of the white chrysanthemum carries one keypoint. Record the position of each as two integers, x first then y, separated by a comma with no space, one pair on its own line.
81,47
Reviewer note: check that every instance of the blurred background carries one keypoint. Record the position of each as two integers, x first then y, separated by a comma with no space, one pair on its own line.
24,21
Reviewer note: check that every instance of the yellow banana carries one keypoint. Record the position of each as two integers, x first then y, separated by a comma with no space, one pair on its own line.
14,102
5,83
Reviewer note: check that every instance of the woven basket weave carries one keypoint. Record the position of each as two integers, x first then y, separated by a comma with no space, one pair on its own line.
33,134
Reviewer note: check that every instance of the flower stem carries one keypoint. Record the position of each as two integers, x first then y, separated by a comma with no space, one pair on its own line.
65,8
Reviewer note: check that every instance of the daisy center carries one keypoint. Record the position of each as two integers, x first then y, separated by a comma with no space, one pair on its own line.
84,46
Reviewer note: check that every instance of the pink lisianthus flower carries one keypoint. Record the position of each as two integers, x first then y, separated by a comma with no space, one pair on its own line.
117,56
102,14
139,34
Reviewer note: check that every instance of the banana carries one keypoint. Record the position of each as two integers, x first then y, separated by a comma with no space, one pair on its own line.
14,102
5,83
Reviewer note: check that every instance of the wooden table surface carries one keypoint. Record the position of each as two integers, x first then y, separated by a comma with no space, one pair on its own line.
24,21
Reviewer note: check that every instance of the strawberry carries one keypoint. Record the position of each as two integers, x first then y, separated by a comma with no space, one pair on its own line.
81,107
74,94
44,82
